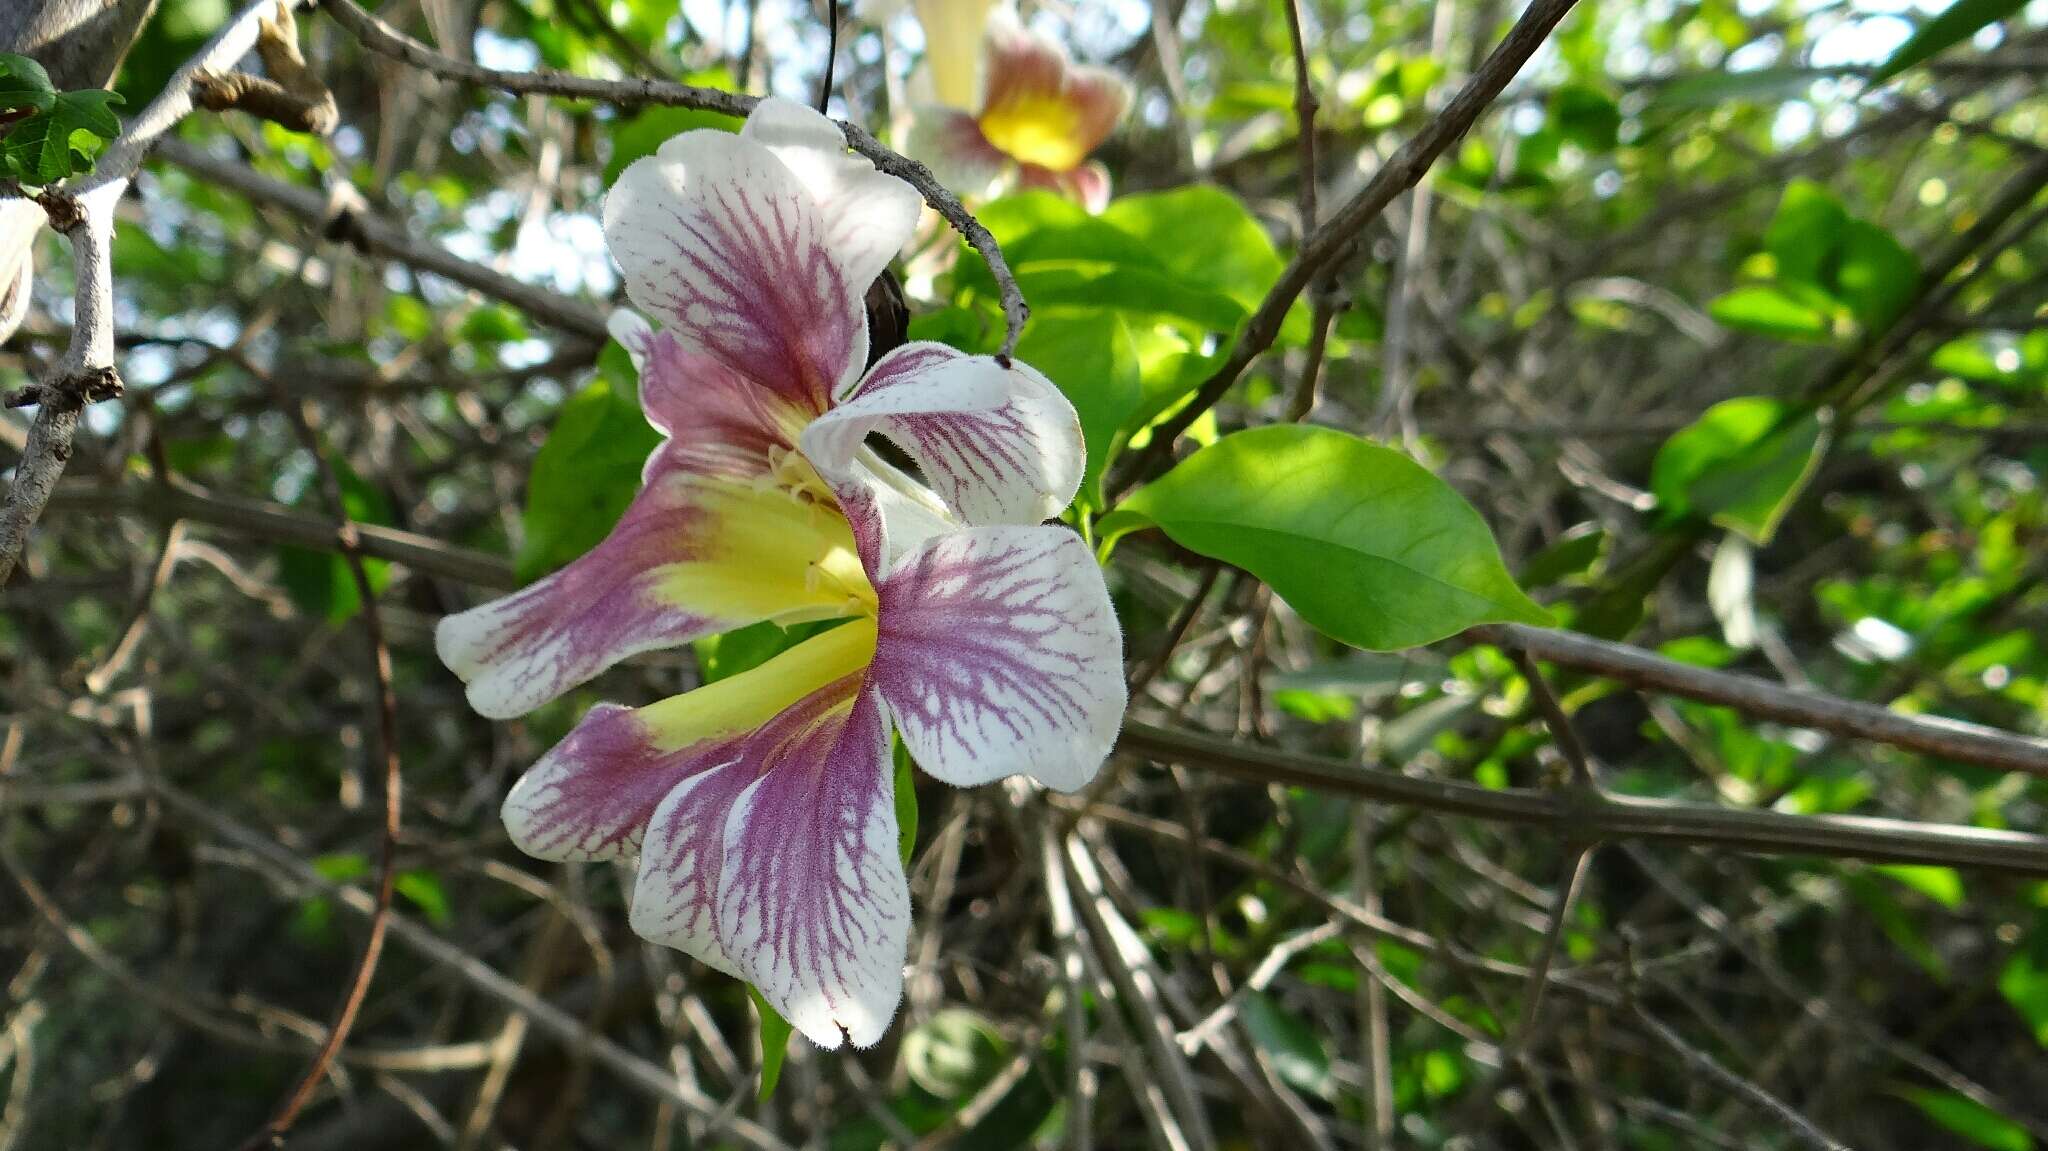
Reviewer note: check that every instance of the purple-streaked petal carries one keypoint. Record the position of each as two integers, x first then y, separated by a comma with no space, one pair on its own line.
950,143
813,906
717,422
868,215
690,557
999,654
723,244
997,445
591,795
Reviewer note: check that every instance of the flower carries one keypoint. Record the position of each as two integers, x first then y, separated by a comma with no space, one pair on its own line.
760,808
1018,110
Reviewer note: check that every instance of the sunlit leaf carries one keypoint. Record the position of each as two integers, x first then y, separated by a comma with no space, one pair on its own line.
1741,464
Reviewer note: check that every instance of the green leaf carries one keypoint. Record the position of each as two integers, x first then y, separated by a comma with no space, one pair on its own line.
1805,232
1741,464
1941,884
1573,556
1770,311
1957,23
906,804
1364,542
744,649
954,1053
775,1032
1091,357
425,892
1877,277
1290,1043
24,86
646,132
60,142
1969,1118
1205,235
583,477
2024,983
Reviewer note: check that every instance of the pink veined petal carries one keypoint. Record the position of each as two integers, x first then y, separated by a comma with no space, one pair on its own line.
999,654
813,905
590,797
518,652
675,893
717,422
868,215
726,246
951,144
1087,185
997,445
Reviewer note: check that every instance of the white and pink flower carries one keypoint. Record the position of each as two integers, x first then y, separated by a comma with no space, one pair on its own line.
1002,106
760,808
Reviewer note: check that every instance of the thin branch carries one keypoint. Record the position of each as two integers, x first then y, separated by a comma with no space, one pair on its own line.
1576,813
272,1132
345,219
1330,241
379,36
1929,735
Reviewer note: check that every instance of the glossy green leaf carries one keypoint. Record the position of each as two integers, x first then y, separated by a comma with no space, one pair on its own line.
1368,545
1969,1119
1091,357
1957,23
583,477
1805,232
1575,554
1876,276
1741,464
1941,884
1770,311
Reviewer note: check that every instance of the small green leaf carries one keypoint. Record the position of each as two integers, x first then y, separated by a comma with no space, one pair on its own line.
24,86
1805,232
1941,884
1741,464
1957,23
1574,555
643,134
1296,1051
1969,1118
775,1032
1091,357
321,582
583,477
906,804
2024,983
743,649
954,1053
426,893
1770,311
1364,542
1877,277
62,141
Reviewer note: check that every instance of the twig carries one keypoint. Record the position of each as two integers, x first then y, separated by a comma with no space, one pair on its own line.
272,1133
345,220
291,95
1929,735
1799,1125
379,36
1403,170
1577,813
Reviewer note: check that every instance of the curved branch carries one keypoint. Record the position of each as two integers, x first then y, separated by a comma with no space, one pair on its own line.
378,36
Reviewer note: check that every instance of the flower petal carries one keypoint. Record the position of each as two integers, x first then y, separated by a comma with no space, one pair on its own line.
999,654
1042,109
952,49
950,143
868,215
717,422
813,906
997,445
726,246
591,795
690,557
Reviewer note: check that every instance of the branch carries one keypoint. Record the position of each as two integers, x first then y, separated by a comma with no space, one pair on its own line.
291,95
387,240
1590,818
85,213
1402,171
1930,735
378,36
